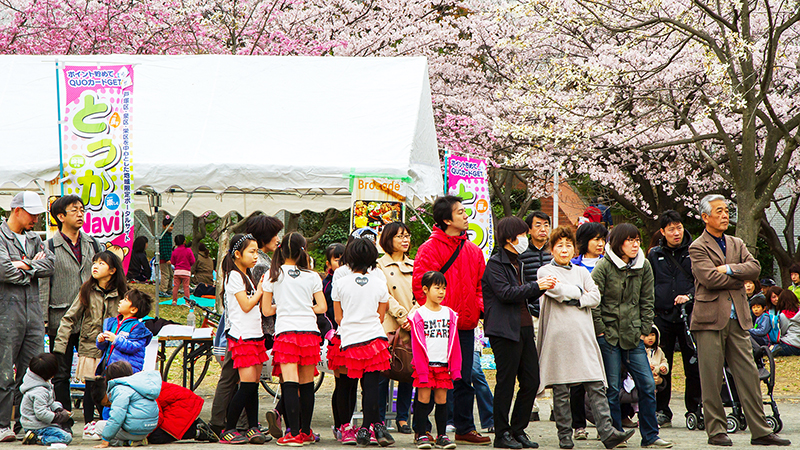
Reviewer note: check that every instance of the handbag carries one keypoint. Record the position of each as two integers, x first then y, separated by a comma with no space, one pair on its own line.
400,350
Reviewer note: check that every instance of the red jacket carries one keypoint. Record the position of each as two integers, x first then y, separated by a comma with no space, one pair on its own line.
464,293
178,409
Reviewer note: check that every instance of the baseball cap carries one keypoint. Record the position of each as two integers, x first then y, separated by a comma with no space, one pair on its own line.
29,201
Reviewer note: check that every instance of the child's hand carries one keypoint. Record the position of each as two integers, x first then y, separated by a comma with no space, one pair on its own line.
102,444
663,370
652,367
101,337
110,337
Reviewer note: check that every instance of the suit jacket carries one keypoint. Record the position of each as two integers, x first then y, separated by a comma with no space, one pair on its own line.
714,291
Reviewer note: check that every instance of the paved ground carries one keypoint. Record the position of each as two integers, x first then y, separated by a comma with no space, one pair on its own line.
542,432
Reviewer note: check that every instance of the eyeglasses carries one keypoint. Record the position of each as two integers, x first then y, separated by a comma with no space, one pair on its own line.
403,237
635,240
80,211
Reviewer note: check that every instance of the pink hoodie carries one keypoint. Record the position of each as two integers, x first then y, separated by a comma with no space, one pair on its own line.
419,348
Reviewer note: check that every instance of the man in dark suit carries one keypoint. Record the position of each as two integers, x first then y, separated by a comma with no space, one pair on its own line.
720,323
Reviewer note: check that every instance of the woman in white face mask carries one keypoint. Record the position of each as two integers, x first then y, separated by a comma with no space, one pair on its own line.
508,324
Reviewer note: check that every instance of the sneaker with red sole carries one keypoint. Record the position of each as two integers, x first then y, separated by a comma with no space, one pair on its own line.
291,440
309,438
232,437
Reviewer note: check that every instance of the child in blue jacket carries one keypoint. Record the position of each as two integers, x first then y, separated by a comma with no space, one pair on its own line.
125,337
132,399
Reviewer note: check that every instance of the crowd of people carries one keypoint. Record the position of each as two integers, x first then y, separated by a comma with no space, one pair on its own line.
616,309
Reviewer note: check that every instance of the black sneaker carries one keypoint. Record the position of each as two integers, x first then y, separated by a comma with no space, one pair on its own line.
422,442
205,433
30,438
523,439
381,435
362,437
444,442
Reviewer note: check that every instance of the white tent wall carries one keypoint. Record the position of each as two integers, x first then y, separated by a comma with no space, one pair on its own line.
241,133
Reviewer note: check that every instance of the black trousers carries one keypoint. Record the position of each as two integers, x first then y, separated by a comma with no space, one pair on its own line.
515,361
62,377
670,331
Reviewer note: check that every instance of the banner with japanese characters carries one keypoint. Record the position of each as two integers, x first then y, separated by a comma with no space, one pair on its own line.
467,178
96,107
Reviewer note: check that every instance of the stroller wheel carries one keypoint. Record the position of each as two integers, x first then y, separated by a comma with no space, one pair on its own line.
775,423
691,421
732,424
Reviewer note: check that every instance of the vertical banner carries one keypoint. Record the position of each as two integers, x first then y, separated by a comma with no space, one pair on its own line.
467,179
95,144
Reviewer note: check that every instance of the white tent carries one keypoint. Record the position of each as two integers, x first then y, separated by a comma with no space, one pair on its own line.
241,133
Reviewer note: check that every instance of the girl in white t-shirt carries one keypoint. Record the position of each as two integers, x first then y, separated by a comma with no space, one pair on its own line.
436,358
296,292
245,339
360,299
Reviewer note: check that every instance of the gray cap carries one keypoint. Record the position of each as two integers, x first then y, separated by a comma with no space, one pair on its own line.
29,201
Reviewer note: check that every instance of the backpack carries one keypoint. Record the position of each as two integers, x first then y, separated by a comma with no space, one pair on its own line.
775,328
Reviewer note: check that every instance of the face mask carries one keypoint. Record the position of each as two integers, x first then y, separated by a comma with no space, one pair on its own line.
521,245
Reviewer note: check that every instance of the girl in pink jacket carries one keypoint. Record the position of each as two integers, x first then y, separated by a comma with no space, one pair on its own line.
436,358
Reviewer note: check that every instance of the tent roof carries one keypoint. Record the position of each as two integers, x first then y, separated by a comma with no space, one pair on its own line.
264,125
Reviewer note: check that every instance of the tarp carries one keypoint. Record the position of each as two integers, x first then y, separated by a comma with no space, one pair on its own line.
267,132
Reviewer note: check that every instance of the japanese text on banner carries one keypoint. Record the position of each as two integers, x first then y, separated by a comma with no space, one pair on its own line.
466,178
96,150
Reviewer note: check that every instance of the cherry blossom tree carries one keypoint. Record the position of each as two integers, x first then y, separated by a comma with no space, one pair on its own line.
663,101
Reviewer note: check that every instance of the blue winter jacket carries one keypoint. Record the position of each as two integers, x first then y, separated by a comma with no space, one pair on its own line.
132,338
133,404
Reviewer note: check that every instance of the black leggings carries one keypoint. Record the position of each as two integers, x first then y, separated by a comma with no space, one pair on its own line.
88,404
346,398
246,398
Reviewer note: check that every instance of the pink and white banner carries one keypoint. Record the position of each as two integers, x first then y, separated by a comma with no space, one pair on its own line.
96,150
467,178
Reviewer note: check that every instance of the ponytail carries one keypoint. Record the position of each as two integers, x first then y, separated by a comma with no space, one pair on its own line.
293,246
238,243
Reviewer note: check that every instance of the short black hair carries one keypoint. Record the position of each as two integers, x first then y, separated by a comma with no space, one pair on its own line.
508,228
202,247
621,233
180,239
361,255
433,277
45,365
588,231
389,232
443,209
61,204
538,215
167,220
760,300
118,369
335,250
97,389
669,217
263,228
794,268
141,301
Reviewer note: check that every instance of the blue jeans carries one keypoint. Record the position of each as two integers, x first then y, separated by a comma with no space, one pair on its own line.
638,366
781,349
404,391
53,435
483,395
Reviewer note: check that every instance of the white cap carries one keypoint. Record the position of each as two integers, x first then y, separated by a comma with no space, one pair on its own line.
29,201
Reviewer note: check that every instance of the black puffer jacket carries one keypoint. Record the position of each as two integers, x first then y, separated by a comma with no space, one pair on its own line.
670,280
533,258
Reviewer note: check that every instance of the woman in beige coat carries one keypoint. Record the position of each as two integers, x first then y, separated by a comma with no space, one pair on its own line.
566,327
397,267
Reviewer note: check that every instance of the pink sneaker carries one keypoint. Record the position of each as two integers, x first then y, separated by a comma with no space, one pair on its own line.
348,434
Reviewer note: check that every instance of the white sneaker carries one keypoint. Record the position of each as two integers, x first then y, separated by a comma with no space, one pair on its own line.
89,433
451,428
7,435
659,443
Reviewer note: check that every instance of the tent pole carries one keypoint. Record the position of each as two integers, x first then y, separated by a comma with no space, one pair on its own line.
155,201
60,137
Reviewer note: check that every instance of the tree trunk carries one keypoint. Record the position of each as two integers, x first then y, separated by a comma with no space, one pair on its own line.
748,221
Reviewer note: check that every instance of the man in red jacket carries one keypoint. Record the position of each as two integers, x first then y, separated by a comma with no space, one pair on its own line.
464,296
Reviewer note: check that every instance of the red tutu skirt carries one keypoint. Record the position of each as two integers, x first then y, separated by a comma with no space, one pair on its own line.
438,378
334,352
370,356
295,348
246,353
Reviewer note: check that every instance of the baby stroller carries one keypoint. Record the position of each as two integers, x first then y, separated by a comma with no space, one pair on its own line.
730,398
